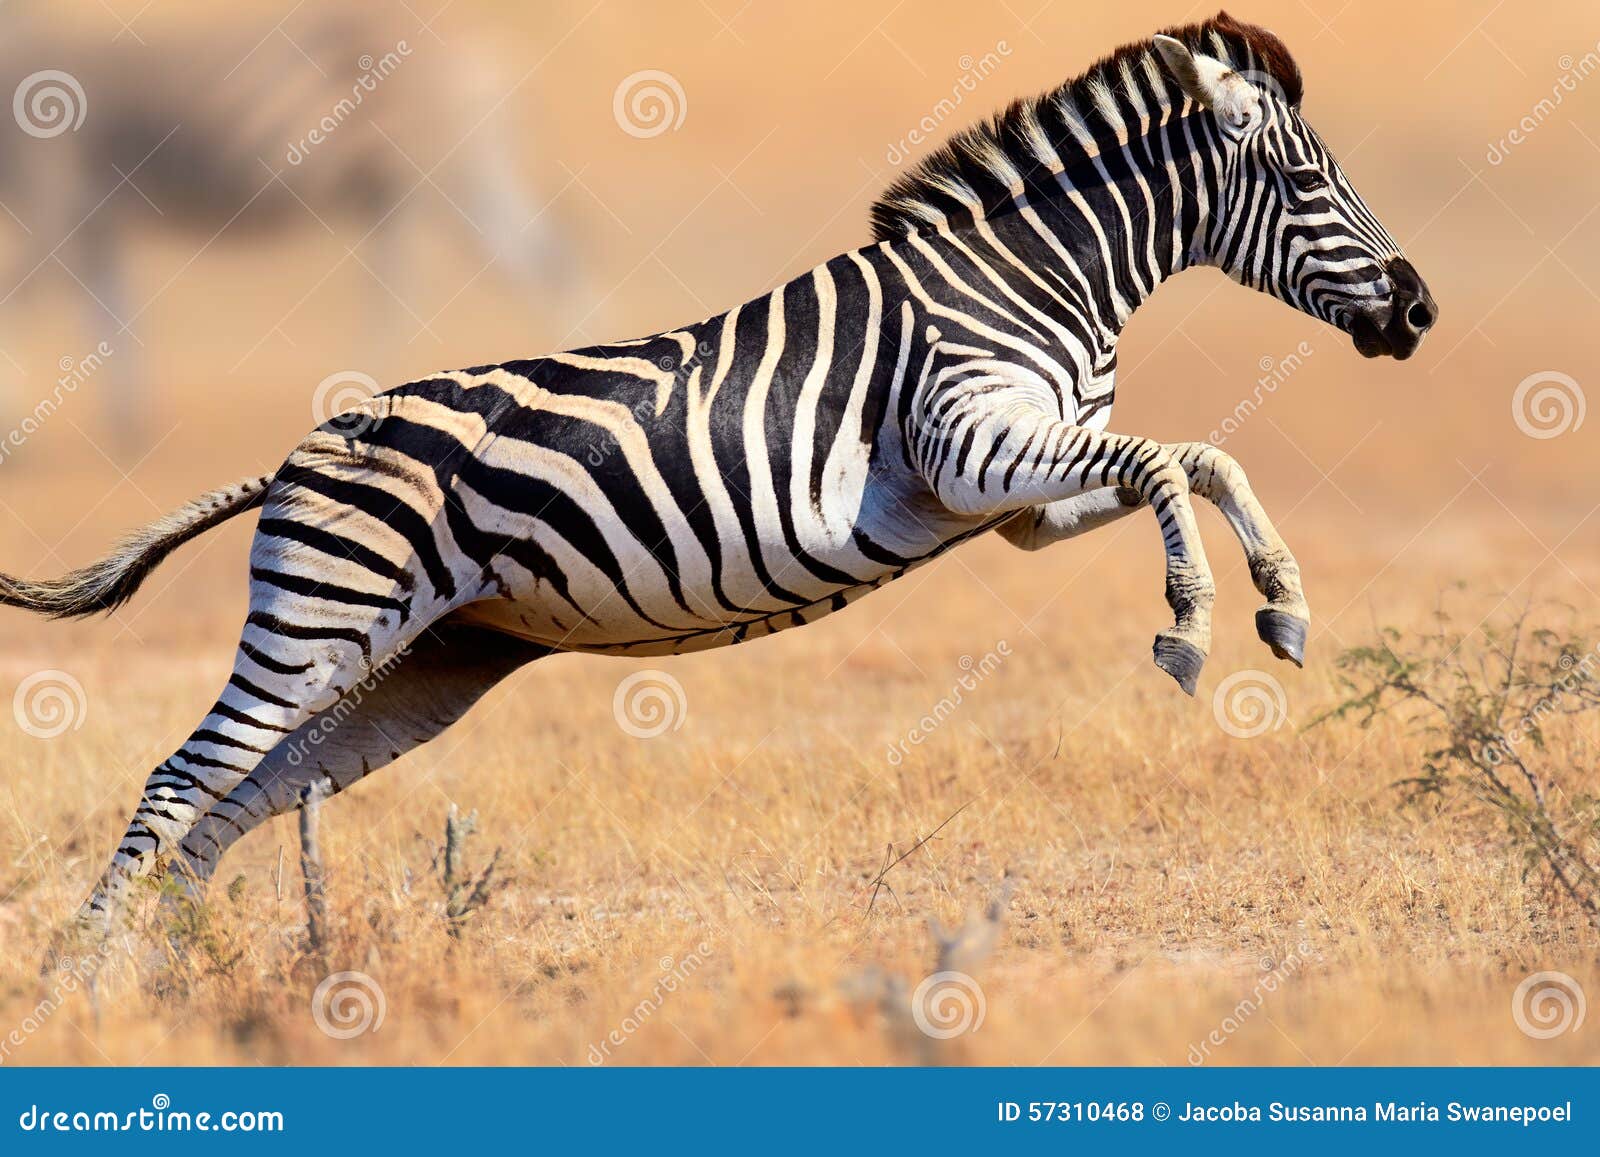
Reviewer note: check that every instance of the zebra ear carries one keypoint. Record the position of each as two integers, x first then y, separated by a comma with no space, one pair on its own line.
1213,85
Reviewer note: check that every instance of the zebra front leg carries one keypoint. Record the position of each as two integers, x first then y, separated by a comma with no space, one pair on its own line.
1218,478
412,700
1005,458
1042,526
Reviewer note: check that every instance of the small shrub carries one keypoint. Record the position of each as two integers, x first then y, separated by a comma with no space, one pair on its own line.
1490,700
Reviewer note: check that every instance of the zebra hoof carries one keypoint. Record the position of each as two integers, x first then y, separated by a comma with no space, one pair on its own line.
1180,659
1284,633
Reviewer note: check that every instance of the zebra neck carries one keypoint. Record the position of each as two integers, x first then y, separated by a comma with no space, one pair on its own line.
1107,229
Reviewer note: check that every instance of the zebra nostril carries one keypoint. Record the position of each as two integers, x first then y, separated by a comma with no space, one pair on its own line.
1419,315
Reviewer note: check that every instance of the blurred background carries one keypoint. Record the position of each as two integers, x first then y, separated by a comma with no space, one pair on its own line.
512,179
253,244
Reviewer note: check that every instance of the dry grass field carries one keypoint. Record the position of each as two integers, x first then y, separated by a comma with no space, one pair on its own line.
706,896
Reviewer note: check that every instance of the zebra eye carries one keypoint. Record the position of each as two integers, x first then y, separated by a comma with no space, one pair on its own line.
1308,180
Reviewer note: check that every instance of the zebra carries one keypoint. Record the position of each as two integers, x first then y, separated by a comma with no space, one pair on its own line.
263,136
762,468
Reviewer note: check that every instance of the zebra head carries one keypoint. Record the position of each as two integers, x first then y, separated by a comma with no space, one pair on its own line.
1289,221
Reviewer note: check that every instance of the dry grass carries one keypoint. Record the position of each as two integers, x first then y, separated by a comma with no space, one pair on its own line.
1157,860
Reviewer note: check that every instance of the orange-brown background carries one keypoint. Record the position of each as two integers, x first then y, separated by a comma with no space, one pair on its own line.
1159,848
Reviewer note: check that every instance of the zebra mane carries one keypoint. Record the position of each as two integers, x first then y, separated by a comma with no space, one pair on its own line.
982,169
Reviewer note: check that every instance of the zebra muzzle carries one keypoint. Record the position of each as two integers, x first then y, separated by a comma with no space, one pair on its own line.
1395,329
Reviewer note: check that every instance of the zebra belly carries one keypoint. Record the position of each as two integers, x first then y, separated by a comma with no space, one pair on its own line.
534,614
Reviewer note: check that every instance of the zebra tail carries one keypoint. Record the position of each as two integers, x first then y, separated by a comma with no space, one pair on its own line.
107,584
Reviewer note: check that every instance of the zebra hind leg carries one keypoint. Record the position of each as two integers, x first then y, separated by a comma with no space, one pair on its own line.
412,700
285,672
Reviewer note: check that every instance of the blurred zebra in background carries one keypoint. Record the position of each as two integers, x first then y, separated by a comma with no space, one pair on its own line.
251,135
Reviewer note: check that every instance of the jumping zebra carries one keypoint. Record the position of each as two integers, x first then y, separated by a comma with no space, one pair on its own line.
768,466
